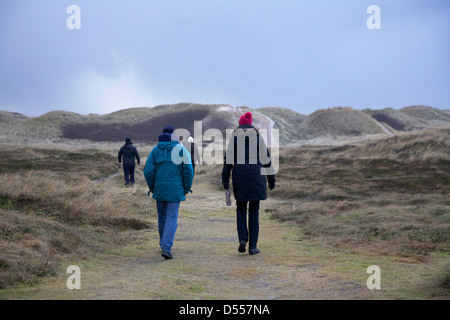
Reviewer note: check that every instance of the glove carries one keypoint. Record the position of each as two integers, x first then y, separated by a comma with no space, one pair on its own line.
228,197
271,180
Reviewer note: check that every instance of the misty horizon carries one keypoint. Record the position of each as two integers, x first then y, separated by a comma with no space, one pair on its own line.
304,56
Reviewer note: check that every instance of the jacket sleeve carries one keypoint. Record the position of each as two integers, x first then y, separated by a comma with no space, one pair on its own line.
187,171
119,156
226,172
270,178
136,154
227,167
149,171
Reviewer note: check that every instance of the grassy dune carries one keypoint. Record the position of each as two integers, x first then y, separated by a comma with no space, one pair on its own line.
335,211
389,196
339,121
140,124
287,121
411,118
52,208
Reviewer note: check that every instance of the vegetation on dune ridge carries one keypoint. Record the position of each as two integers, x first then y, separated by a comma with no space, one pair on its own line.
411,118
286,121
339,121
295,128
397,120
57,125
427,113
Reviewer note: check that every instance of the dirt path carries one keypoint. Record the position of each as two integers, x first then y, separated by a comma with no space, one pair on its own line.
383,127
206,263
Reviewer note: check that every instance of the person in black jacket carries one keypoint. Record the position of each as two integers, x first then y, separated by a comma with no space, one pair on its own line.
249,182
129,153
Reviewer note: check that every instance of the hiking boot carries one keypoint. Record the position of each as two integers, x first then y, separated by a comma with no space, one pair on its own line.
242,246
166,255
253,251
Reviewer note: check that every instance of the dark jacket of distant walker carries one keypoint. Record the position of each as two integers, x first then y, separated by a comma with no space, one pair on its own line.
129,153
248,182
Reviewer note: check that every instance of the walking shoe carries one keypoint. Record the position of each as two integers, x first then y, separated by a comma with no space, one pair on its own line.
242,246
166,255
253,251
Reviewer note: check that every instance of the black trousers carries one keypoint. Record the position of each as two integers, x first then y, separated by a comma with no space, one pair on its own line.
128,171
251,233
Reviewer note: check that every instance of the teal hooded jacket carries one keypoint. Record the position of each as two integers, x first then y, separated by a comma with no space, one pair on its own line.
168,171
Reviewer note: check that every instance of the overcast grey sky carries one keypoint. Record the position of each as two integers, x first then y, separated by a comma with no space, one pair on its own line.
299,54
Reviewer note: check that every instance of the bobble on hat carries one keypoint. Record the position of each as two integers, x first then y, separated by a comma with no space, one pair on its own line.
168,129
246,119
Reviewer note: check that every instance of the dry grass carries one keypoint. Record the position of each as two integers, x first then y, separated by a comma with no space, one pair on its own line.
52,209
383,197
349,210
391,195
87,161
70,198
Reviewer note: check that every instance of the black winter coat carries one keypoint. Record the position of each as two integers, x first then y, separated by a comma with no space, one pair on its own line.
129,152
248,182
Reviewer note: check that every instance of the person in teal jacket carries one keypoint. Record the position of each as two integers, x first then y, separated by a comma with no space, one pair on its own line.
169,176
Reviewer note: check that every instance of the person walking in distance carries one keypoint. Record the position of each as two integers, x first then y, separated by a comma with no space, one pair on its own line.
243,160
129,153
168,172
191,146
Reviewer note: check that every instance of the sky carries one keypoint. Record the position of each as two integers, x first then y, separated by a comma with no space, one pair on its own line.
299,54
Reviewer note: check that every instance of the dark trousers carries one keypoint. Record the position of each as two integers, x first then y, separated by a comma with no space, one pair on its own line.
251,234
128,171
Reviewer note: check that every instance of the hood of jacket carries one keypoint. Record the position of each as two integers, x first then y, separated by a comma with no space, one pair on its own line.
166,148
167,145
128,145
246,130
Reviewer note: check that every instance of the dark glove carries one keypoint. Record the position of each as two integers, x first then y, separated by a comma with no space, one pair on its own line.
271,180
